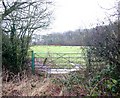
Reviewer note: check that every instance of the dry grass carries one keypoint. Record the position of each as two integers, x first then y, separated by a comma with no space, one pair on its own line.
29,85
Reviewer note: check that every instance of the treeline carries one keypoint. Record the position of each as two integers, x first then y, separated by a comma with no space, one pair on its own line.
85,37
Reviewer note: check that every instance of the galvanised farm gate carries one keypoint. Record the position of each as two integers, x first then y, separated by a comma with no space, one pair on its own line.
65,60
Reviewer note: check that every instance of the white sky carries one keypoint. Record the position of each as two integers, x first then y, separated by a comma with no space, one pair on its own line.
74,14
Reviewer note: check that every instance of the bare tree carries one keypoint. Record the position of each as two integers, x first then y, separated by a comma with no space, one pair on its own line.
27,16
19,21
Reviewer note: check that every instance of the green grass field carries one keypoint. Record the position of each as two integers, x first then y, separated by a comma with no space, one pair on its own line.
61,56
58,49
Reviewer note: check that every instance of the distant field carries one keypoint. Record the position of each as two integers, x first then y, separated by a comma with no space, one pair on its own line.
61,56
58,49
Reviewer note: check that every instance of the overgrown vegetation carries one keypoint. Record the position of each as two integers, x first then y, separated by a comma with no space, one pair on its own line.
19,21
102,75
109,51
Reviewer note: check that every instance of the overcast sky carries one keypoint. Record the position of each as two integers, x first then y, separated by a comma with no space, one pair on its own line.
74,14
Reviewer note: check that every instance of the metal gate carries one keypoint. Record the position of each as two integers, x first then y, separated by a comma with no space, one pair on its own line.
57,60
